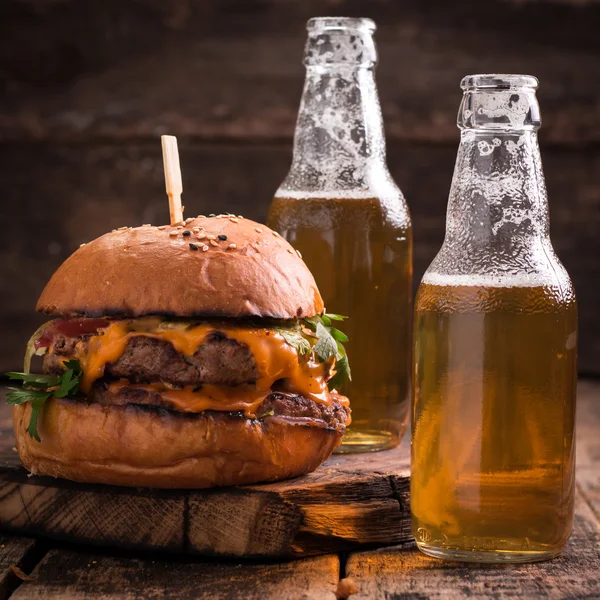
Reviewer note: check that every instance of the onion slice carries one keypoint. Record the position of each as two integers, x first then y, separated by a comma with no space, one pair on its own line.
31,350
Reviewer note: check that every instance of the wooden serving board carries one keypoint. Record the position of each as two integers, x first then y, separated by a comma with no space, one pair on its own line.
350,502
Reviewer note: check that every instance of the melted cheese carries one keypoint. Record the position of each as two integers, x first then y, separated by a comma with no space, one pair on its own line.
275,359
242,398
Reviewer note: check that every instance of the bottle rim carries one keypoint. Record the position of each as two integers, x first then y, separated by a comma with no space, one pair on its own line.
340,24
498,81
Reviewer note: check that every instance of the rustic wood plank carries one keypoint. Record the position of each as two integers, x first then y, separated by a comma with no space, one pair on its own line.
348,503
405,572
588,424
588,443
61,196
588,481
73,575
116,70
18,552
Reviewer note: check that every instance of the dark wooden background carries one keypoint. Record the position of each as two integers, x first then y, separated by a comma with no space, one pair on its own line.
87,87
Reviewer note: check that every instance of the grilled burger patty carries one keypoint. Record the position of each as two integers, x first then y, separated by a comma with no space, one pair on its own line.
218,361
278,404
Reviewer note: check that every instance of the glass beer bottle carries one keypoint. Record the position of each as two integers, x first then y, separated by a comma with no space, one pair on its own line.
495,349
340,207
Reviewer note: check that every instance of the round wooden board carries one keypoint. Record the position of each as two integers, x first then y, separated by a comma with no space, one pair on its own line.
350,502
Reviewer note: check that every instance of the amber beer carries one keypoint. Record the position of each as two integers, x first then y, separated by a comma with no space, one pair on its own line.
493,428
340,207
360,254
495,349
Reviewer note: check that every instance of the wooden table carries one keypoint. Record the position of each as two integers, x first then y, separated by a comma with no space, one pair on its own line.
61,570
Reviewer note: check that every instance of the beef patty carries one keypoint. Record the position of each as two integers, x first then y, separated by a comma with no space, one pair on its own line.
218,361
294,407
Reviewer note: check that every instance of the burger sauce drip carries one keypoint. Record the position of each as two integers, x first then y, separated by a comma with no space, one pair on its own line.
275,359
242,398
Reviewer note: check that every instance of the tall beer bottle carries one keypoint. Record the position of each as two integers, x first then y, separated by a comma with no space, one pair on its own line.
340,207
495,349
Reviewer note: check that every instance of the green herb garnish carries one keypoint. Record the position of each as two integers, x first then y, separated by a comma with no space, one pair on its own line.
295,339
330,343
38,388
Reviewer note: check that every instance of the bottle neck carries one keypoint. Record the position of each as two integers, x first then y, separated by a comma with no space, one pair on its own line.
497,220
498,195
497,226
339,143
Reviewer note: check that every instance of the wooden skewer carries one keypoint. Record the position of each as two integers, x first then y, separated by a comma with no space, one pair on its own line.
172,177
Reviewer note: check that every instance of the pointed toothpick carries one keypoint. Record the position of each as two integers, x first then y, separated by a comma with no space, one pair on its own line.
172,177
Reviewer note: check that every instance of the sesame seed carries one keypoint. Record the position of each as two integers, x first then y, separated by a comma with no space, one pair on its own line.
189,220
213,243
193,247
234,220
275,234
81,245
298,253
162,227
220,216
210,236
187,233
195,229
290,251
258,230
212,215
147,225
173,233
240,217
202,216
222,237
201,236
204,248
122,229
232,246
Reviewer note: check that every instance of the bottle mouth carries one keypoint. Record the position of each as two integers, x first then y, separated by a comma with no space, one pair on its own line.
340,24
499,82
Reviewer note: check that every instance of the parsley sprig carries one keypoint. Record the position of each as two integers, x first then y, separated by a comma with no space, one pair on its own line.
329,343
38,388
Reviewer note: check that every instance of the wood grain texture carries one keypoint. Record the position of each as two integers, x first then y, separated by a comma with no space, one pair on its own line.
72,575
588,444
404,572
122,70
588,424
17,552
348,503
390,573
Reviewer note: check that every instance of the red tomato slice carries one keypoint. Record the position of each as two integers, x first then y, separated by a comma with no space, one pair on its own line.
69,328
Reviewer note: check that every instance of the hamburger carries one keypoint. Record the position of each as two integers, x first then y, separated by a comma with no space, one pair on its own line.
182,356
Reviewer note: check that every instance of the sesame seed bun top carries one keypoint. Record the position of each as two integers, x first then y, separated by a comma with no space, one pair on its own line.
222,266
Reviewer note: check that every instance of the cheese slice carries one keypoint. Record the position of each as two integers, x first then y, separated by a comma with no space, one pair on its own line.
275,359
242,398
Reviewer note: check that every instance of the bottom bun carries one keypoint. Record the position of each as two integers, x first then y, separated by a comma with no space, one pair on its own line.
134,446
